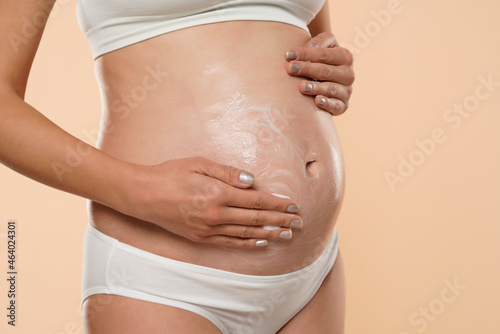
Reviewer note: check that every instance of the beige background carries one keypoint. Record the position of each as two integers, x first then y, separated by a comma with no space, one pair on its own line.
403,243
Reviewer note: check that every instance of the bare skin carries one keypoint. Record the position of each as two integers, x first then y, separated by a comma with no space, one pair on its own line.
286,141
243,120
166,106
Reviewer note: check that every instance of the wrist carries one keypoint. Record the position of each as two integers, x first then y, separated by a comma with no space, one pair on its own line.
121,185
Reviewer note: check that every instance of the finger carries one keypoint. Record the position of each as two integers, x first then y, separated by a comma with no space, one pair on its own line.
340,74
333,106
251,218
328,89
225,173
253,199
250,232
324,40
333,56
236,242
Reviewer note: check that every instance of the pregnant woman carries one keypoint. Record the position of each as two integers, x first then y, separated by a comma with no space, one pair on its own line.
218,177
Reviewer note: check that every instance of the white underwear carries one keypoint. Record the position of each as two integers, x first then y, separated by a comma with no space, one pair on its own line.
235,303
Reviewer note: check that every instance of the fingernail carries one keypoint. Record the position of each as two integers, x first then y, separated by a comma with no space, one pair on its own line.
292,209
313,44
308,87
296,224
294,68
291,55
322,100
261,243
246,178
286,235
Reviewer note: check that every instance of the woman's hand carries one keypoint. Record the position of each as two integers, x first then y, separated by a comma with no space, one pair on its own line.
324,60
204,201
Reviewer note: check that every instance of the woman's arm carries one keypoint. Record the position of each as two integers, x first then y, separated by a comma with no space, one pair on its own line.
323,59
29,142
166,194
321,23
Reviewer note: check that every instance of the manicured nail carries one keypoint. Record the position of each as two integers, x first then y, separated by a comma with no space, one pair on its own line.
313,44
291,55
294,68
261,243
286,235
292,209
308,87
322,100
296,224
246,178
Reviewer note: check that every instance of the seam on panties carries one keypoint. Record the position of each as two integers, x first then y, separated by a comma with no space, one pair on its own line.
170,302
213,271
110,255
334,253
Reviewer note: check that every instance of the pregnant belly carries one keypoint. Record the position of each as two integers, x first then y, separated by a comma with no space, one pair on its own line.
229,114
290,147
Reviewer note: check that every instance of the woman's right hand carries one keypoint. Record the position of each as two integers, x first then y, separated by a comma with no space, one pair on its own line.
205,201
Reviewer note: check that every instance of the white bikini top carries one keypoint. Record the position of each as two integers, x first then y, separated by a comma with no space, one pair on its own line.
113,24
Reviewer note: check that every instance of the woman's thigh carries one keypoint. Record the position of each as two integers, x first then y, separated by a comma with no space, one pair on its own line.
113,314
326,311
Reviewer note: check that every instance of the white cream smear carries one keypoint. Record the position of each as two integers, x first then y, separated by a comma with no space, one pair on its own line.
261,135
274,227
254,134
250,136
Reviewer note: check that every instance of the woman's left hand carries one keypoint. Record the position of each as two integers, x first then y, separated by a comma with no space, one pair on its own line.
323,59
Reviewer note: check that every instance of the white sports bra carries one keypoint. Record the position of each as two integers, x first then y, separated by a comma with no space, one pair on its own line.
114,24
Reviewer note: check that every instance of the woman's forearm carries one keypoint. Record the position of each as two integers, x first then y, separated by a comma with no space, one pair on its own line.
321,23
29,142
34,146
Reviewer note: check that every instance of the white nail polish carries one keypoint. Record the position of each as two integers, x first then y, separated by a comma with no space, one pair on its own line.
286,235
261,243
246,178
291,208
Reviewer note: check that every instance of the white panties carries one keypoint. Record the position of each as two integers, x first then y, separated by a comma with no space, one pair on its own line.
235,303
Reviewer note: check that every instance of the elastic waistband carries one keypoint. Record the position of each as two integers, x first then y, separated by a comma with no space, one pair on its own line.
328,254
